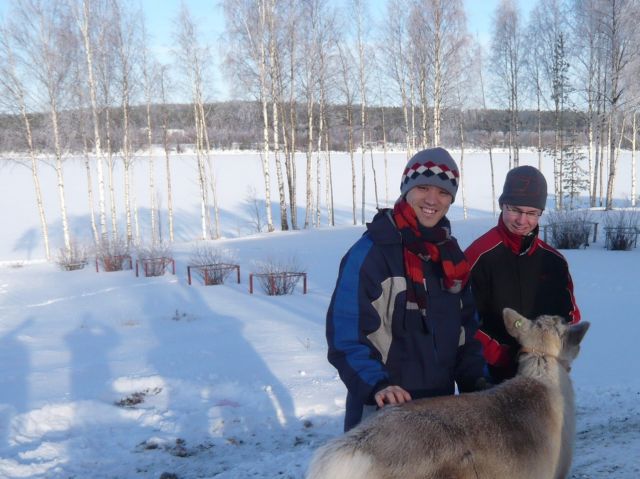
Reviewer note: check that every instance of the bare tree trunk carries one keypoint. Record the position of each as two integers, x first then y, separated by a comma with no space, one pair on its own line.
484,106
110,171
329,199
84,28
634,135
437,73
146,77
194,58
59,173
359,11
124,40
211,169
92,213
275,96
12,84
165,144
353,162
386,162
613,162
319,170
375,178
539,113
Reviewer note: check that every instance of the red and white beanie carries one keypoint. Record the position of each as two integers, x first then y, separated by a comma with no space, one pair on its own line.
434,167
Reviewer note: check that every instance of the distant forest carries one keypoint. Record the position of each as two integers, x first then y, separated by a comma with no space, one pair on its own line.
238,125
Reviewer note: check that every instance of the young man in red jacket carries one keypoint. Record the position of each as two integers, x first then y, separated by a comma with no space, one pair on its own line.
512,267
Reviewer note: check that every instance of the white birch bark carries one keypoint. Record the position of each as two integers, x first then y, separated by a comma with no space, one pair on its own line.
634,180
165,144
88,48
359,10
12,85
146,77
276,99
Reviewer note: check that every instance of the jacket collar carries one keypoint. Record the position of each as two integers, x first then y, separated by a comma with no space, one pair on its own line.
382,228
519,245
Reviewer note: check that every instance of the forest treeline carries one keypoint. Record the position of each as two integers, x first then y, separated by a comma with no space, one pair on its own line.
238,125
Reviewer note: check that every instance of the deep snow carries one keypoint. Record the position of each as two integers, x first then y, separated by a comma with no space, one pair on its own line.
109,375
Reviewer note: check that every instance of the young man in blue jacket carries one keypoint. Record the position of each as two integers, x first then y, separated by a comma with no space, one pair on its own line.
401,322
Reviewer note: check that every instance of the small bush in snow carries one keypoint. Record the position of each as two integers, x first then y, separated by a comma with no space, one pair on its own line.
113,254
569,229
278,277
621,229
73,258
211,263
154,258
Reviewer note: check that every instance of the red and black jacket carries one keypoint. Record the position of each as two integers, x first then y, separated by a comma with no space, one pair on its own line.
522,273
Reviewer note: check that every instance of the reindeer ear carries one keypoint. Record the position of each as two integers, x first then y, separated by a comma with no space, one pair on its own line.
576,333
514,322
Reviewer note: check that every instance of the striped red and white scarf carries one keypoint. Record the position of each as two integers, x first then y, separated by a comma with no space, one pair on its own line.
436,244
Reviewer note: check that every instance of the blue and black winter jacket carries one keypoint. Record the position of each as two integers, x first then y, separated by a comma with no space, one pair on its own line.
376,339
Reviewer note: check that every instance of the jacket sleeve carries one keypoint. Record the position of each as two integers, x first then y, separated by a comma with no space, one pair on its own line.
470,364
349,318
574,313
494,352
565,299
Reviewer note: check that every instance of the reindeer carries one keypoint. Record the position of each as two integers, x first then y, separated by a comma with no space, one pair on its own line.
523,428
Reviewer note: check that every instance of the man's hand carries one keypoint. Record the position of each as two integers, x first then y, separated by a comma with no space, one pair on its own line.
392,395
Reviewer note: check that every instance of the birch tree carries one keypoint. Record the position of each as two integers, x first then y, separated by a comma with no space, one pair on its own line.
83,19
506,55
148,80
348,85
162,78
247,64
309,85
587,34
548,36
443,37
361,19
394,45
193,58
291,51
43,36
14,97
82,120
480,69
275,74
124,30
619,19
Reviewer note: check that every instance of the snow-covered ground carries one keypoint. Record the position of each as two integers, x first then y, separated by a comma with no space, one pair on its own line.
109,375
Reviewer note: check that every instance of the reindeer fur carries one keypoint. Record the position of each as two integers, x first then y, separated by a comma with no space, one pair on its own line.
521,428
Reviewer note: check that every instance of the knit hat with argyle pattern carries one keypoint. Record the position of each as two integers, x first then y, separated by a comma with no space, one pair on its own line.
433,166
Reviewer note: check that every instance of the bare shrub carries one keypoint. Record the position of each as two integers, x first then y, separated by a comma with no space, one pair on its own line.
278,277
569,229
154,258
74,258
113,254
212,264
621,229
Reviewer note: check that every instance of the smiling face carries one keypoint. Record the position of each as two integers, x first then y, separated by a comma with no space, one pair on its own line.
520,220
430,203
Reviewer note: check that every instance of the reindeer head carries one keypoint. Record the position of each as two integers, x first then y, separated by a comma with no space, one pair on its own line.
547,335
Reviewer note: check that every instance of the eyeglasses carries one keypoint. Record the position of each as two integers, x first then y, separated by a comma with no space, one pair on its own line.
514,211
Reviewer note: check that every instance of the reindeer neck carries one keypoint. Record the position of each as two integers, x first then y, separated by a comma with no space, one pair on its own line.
544,355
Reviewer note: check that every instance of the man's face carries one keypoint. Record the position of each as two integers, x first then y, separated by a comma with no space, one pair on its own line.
520,220
430,203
